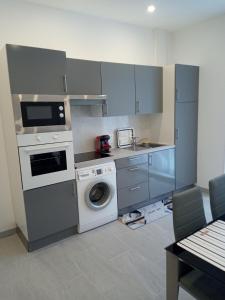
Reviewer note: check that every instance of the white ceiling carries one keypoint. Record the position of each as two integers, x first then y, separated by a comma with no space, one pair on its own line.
169,14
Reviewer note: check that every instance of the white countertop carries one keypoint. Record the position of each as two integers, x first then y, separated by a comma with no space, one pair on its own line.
117,153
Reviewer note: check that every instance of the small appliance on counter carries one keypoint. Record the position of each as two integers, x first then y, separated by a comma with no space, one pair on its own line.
102,145
125,137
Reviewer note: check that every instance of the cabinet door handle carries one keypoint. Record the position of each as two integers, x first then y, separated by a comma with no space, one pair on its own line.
177,133
48,147
133,169
65,83
137,106
150,160
135,188
133,158
104,109
176,95
74,189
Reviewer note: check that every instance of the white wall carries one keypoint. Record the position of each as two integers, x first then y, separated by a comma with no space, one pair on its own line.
6,209
81,37
204,45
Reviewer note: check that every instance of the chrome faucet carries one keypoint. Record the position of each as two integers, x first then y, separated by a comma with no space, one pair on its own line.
134,141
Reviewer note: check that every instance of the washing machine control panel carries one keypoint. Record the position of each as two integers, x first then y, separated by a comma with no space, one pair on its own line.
99,172
85,174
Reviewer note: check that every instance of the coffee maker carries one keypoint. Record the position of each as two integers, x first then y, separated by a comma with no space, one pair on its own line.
102,145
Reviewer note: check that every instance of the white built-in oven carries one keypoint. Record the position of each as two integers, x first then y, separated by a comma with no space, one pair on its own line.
46,164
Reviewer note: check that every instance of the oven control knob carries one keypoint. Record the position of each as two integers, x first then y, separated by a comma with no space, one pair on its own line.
61,115
55,137
38,138
61,108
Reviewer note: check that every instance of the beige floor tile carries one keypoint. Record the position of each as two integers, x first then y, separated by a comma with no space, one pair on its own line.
112,262
80,288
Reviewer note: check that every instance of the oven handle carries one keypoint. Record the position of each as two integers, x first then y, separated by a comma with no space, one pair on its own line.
47,147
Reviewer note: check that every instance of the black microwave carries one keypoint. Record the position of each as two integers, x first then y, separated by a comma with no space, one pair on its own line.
35,114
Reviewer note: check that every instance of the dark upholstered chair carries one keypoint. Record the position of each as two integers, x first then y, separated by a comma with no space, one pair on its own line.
217,196
188,213
188,217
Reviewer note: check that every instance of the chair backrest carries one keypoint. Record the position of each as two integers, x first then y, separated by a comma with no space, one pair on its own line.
217,196
188,213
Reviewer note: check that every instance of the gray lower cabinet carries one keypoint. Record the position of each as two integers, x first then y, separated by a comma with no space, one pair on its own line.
36,70
83,77
133,195
186,144
132,175
186,83
149,89
143,179
161,173
132,182
50,210
119,86
131,161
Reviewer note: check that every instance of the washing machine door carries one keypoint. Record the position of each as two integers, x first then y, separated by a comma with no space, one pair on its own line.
99,195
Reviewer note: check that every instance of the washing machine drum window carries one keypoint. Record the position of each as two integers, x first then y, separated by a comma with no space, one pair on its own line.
99,195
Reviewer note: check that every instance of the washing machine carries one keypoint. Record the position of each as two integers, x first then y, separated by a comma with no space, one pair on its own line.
97,195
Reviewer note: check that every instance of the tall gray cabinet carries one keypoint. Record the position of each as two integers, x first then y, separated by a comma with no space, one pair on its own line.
148,89
186,83
186,124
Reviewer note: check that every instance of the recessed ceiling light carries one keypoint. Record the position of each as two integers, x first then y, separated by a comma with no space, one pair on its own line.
151,8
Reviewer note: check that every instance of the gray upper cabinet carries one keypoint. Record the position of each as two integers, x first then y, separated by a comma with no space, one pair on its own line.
161,173
149,98
118,84
36,70
186,144
187,82
83,77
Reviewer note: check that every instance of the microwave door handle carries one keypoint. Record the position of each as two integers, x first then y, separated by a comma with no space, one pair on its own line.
34,149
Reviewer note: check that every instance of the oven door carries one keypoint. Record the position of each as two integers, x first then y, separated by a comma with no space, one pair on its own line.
43,165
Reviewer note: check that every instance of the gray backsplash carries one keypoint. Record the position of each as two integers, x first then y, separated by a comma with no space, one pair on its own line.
86,127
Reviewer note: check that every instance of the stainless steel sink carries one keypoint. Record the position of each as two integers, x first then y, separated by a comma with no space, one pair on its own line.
135,148
143,146
150,145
